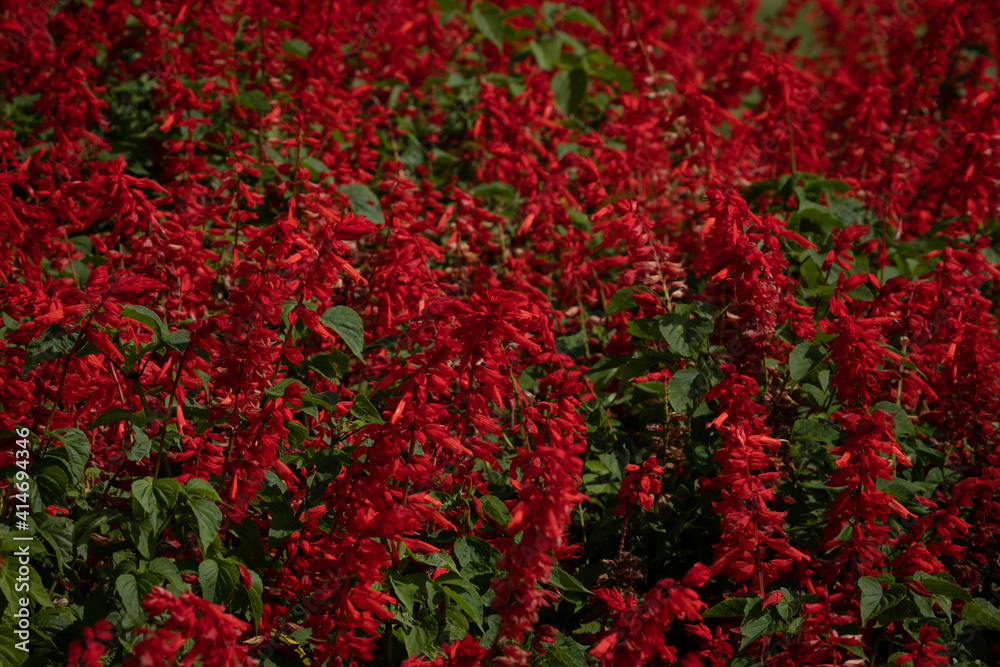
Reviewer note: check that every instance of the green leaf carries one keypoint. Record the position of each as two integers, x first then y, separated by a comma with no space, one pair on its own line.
330,365
685,335
147,317
51,482
315,167
469,600
295,47
902,424
202,487
871,596
478,554
437,559
110,417
169,570
10,654
256,597
58,532
364,202
256,100
404,590
166,491
488,18
365,411
581,15
208,577
497,189
142,493
810,429
209,518
419,637
55,344
622,299
730,607
348,325
178,340
128,591
143,444
563,580
755,623
940,586
77,447
569,88
251,549
683,388
277,389
982,612
802,360
496,510
546,51
569,652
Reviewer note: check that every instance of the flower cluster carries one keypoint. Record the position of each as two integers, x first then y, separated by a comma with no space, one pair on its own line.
354,336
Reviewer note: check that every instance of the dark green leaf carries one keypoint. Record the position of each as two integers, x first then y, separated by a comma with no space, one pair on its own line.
143,444
802,360
496,510
77,447
178,340
941,586
489,19
58,532
404,590
147,317
730,608
902,424
169,570
329,364
208,577
364,202
469,600
110,417
871,596
581,15
476,552
256,100
348,325
569,652
755,623
622,300
365,411
52,481
685,335
982,612
569,88
277,389
419,637
684,388
295,47
565,581
201,487
209,518
546,51
128,591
